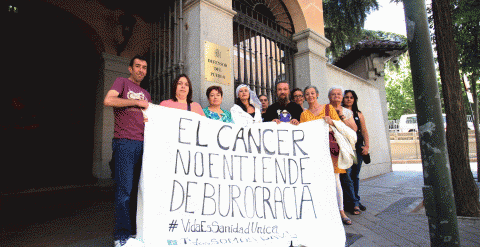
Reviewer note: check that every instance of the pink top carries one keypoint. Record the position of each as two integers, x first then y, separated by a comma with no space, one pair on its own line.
183,106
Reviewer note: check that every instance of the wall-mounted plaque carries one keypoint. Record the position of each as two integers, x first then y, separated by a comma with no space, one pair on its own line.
217,63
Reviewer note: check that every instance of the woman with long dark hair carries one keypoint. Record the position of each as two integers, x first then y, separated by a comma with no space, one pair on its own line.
350,179
181,96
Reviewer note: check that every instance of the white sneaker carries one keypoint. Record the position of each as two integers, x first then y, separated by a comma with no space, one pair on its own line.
120,243
131,242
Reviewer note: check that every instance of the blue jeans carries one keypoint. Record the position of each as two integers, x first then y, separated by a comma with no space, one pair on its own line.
350,183
127,158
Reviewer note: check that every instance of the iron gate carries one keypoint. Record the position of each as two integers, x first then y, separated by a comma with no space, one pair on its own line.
263,45
166,54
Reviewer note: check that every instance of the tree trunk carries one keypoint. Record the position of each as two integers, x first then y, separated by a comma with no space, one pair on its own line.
464,187
473,82
476,122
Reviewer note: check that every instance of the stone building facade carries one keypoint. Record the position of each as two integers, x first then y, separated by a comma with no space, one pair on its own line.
63,57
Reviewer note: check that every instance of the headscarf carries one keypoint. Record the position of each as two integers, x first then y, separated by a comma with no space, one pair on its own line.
253,96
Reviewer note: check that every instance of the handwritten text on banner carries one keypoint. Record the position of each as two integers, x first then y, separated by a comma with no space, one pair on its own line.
205,182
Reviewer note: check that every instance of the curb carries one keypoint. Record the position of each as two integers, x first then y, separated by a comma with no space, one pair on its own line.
474,219
412,161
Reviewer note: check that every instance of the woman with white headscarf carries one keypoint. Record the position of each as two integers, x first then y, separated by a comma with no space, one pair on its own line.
247,108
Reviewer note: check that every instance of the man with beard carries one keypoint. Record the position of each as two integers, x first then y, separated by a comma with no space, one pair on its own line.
283,110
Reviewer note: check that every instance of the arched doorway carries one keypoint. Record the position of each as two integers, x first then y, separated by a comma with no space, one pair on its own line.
52,69
263,45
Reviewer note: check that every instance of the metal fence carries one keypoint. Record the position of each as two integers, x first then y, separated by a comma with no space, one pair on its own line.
405,146
393,125
166,54
263,46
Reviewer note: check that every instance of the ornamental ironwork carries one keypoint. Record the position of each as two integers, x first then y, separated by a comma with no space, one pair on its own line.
263,45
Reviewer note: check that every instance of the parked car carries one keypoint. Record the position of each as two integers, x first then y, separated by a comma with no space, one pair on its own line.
408,123
470,125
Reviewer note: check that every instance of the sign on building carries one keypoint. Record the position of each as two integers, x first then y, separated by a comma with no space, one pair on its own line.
217,63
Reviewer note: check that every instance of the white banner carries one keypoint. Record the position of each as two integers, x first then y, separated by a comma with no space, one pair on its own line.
205,182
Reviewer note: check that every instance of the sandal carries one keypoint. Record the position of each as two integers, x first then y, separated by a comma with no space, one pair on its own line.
346,221
356,211
363,208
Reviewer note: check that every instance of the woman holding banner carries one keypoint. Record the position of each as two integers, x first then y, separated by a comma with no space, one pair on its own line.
247,108
327,112
215,97
181,96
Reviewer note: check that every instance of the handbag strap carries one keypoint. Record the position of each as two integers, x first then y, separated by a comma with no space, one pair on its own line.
327,110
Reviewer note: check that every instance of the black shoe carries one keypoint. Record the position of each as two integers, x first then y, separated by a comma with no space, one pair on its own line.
363,208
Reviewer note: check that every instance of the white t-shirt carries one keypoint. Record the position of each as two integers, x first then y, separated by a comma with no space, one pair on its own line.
347,113
243,118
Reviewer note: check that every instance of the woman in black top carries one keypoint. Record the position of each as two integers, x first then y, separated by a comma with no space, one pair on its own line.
350,180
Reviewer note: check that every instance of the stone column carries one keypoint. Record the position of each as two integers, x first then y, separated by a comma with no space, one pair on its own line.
112,67
207,20
376,76
310,60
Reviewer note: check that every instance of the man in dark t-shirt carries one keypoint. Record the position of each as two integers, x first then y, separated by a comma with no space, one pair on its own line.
127,99
283,110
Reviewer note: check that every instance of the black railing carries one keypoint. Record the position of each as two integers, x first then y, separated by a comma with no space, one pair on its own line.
165,54
263,50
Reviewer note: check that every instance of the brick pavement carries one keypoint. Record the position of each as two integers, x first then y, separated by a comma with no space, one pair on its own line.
393,217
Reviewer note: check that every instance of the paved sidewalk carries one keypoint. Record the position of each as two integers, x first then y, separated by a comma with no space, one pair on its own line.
395,216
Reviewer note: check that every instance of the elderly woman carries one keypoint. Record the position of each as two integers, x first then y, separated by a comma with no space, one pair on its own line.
264,100
181,96
247,108
327,112
335,95
213,111
350,180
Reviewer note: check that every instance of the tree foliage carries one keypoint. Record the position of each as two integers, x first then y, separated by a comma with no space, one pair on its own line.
382,35
344,21
454,38
464,187
399,88
466,19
